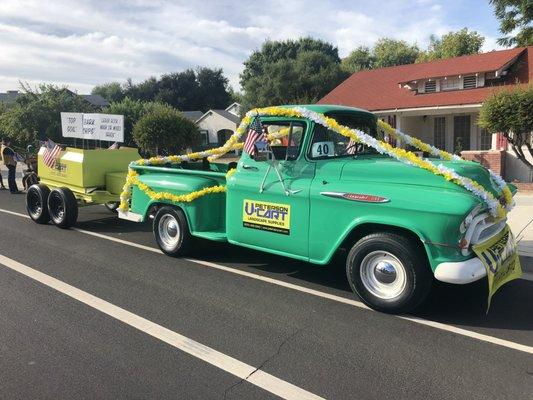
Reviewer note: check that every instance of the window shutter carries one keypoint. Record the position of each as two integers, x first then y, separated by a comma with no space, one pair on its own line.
469,82
430,86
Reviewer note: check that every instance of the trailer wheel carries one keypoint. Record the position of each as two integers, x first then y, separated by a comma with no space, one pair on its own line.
37,203
63,207
171,231
389,272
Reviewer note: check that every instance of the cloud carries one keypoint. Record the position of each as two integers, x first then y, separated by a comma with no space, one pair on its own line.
85,43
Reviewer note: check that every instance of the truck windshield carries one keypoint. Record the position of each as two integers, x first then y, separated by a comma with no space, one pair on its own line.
329,144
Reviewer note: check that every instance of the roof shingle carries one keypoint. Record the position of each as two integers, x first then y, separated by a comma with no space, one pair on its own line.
379,89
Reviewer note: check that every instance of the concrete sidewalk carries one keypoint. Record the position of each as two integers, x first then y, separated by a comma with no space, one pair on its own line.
20,168
520,220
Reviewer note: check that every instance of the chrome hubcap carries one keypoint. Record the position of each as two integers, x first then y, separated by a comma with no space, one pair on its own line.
383,275
169,231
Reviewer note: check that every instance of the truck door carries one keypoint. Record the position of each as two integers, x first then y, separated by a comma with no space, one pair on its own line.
268,198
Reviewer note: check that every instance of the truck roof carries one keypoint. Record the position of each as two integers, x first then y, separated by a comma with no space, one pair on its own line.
330,108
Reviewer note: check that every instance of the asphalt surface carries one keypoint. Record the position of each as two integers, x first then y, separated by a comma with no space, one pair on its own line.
52,346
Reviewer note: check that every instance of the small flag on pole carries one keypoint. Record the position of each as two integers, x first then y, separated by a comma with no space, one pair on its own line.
255,134
51,153
351,147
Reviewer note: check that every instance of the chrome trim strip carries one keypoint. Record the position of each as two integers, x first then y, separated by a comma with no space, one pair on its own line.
333,194
342,195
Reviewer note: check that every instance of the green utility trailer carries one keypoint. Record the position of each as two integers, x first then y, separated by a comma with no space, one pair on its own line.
78,178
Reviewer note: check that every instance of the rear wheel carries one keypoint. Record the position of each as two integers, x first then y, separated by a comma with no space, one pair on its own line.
171,231
63,207
389,272
37,203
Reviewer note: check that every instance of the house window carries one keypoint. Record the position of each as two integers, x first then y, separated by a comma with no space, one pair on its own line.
469,82
485,140
430,86
451,83
461,133
204,134
439,132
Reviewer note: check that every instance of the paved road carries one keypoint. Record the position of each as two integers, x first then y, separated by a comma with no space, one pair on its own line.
101,317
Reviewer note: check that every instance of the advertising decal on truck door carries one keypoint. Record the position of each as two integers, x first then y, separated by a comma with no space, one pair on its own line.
272,217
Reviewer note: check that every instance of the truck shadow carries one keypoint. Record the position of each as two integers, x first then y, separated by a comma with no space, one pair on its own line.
460,305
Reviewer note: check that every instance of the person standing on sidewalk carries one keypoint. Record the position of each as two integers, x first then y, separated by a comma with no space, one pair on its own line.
2,187
9,161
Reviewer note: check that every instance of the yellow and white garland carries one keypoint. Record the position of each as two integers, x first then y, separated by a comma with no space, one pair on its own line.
402,155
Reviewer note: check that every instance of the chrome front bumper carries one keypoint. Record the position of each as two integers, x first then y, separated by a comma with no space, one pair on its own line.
461,272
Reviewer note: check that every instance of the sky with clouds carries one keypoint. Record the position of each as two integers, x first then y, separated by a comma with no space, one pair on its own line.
84,43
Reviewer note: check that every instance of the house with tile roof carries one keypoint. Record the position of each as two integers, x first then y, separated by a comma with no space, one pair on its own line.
438,101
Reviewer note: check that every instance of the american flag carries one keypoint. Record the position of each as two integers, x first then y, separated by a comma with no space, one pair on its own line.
255,134
51,153
351,147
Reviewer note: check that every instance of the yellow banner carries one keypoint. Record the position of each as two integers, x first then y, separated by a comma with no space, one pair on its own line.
272,217
500,257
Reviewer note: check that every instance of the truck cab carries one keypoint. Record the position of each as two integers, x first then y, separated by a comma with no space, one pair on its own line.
313,192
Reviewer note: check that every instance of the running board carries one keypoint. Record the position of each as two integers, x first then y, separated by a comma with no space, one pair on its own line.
130,216
216,236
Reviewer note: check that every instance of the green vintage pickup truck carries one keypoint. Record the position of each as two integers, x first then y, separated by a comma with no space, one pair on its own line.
317,193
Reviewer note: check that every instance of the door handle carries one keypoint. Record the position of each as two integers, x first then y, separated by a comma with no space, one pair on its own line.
250,167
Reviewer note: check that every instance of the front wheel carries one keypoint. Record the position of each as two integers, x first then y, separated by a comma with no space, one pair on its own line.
171,231
389,272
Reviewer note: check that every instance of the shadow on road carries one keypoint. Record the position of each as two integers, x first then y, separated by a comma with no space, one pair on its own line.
461,305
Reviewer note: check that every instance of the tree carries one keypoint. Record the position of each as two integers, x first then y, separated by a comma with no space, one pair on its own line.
360,59
36,113
291,71
110,91
452,44
132,111
389,52
509,112
165,129
146,90
200,89
515,21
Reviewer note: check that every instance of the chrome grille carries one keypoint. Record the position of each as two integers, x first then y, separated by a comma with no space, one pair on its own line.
482,228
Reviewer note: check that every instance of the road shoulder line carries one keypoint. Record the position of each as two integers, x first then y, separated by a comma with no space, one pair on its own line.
220,360
317,293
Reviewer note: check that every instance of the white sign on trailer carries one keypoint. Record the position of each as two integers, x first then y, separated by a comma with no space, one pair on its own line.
108,127
111,128
72,124
90,126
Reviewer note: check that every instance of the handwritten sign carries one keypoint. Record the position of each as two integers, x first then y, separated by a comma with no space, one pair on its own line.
111,127
108,127
71,124
90,126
